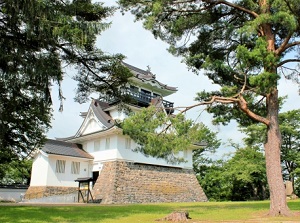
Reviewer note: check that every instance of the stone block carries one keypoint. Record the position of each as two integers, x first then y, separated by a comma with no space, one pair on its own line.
124,182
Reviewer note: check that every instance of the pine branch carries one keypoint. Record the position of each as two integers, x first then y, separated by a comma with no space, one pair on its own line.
232,5
288,61
244,107
283,45
296,43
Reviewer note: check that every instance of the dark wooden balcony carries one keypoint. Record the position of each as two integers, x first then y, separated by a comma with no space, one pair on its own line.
140,98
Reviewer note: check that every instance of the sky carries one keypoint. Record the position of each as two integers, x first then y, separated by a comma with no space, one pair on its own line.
141,50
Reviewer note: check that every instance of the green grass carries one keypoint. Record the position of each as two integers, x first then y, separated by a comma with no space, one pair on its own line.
144,213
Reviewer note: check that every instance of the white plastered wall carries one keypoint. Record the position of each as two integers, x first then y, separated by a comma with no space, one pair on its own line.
44,171
39,170
129,154
66,179
118,151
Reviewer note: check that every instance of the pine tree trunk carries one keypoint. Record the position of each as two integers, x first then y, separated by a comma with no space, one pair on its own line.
278,203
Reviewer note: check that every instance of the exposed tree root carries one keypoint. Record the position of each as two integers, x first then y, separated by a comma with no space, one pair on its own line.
280,213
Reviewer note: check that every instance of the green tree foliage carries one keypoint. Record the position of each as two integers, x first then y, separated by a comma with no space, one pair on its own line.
240,177
296,174
38,40
289,124
16,172
290,148
245,46
213,181
246,171
211,145
163,136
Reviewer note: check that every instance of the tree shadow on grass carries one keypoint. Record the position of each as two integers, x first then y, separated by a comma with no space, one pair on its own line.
136,212
86,213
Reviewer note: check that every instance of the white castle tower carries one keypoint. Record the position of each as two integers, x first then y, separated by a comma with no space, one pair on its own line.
100,152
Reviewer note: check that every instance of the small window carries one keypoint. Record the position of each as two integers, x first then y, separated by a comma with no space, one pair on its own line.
127,143
96,145
185,153
107,143
75,167
60,166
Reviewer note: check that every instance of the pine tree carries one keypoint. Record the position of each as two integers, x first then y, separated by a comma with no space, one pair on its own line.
38,40
245,46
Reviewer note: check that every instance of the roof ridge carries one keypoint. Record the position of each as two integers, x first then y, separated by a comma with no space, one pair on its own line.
148,73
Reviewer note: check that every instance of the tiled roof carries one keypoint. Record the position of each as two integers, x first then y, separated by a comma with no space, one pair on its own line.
97,107
138,70
65,149
84,179
148,76
103,117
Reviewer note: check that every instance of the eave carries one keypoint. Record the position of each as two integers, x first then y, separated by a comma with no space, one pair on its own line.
95,135
154,86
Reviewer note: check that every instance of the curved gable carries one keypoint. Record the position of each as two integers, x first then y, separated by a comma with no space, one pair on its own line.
95,120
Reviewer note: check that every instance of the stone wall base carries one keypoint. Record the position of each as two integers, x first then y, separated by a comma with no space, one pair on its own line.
34,192
123,182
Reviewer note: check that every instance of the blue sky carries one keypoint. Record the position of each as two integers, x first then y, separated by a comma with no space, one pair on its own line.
142,49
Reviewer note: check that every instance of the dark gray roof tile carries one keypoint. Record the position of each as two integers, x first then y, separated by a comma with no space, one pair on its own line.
148,76
103,117
65,149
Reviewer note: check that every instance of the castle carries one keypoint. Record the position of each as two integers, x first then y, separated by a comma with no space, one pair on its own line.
102,155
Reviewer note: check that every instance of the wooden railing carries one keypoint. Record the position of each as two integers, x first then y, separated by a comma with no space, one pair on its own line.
140,97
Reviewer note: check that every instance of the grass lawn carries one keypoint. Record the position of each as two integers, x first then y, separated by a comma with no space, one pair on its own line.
144,213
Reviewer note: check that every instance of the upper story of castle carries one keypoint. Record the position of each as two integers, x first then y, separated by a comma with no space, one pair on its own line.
142,88
103,113
100,136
